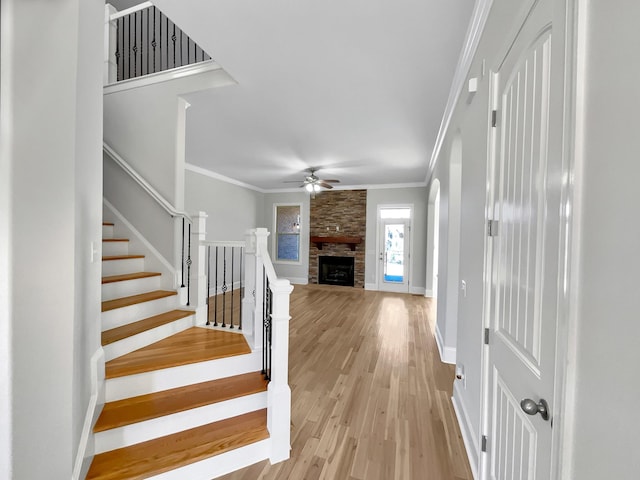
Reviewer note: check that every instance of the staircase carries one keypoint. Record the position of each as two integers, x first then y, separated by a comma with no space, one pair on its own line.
182,401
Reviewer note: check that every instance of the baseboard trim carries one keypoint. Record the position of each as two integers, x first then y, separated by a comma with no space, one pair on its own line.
428,293
371,286
447,354
298,280
469,437
86,447
417,291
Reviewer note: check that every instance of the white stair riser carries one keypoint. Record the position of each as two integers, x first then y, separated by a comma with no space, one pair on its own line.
218,465
177,422
127,288
115,248
107,231
142,339
165,379
120,267
126,315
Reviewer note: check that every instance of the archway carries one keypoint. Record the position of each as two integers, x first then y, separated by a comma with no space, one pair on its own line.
433,227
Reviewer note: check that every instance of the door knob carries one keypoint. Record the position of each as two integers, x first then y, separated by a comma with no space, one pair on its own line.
531,408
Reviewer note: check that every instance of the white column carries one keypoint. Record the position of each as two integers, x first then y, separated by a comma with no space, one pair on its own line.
110,74
198,285
278,392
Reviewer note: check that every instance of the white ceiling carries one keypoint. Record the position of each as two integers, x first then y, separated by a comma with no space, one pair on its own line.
355,87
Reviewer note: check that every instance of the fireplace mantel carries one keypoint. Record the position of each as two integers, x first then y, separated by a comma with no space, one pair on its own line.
351,241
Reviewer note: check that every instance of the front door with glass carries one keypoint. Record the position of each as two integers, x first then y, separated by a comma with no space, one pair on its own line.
394,241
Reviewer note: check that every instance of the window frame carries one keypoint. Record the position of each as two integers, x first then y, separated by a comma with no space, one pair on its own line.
276,234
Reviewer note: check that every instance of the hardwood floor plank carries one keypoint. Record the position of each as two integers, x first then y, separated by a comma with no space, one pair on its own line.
160,455
129,276
197,344
125,331
108,258
370,397
155,405
134,299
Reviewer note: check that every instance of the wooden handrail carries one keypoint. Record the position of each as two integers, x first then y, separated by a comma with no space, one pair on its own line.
129,11
153,193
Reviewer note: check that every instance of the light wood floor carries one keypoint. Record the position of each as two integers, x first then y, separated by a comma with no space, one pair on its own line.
371,400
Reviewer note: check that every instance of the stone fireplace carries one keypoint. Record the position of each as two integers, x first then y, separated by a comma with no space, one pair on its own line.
338,229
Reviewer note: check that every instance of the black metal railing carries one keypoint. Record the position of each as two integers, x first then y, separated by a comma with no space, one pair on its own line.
224,304
185,250
148,42
267,310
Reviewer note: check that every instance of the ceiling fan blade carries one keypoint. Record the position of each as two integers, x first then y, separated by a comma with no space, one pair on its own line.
324,184
330,181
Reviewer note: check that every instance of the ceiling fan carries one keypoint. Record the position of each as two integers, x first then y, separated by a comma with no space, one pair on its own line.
312,183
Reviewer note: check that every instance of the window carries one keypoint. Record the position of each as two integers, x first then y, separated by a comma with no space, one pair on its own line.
287,238
395,213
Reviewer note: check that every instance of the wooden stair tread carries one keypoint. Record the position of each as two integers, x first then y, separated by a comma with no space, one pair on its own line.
154,405
115,239
167,453
129,276
135,299
125,331
107,258
196,344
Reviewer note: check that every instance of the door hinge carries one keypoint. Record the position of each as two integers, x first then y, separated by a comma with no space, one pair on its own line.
483,448
492,228
494,118
486,336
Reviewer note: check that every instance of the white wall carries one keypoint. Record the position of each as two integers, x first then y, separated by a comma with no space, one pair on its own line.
232,209
142,126
416,196
88,209
50,124
295,273
606,415
137,206
470,123
472,239
601,413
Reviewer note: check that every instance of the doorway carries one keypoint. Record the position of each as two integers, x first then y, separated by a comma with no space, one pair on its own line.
394,248
433,227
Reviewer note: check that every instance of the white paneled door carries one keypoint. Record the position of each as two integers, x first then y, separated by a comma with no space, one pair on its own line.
524,253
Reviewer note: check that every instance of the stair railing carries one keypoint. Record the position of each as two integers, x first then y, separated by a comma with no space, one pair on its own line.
272,300
187,221
225,283
264,317
141,40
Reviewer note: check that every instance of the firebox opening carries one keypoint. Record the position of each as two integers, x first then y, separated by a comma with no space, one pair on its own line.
336,270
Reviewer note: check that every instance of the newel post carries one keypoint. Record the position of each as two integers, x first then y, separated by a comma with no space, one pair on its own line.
279,393
110,69
198,287
249,297
260,235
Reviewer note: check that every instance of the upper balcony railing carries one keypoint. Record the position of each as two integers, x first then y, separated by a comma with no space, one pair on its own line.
141,40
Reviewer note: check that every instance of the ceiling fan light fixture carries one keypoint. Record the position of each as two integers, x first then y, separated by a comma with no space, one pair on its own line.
316,187
309,187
